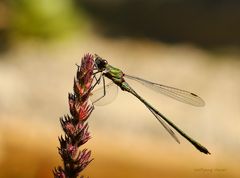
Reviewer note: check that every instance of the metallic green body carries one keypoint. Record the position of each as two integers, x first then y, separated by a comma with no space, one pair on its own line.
117,76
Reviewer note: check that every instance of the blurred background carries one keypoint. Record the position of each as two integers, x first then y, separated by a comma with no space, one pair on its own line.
192,45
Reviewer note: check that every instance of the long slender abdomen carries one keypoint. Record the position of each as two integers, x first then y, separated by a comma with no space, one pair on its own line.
197,145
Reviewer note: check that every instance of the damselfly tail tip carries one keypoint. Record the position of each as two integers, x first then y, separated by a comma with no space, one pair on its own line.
202,149
206,152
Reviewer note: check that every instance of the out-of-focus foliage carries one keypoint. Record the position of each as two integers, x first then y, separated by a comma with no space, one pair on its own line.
24,19
208,23
42,18
4,23
21,20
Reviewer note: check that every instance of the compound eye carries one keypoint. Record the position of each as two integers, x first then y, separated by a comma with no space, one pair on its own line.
105,61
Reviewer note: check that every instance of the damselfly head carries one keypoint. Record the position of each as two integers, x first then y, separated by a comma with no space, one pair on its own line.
100,63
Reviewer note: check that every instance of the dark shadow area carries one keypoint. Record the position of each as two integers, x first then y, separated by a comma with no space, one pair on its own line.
4,26
205,23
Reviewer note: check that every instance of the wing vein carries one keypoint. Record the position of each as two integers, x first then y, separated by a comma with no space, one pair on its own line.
175,93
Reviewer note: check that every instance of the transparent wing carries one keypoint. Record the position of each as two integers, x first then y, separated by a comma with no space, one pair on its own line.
164,124
175,93
99,99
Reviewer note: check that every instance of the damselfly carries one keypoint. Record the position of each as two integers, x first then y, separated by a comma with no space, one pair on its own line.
118,78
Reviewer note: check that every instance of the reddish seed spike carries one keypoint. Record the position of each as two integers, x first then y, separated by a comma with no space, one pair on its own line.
74,126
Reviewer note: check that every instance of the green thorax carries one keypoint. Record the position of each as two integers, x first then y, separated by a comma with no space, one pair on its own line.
116,75
113,73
